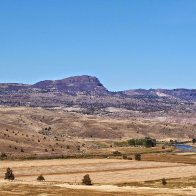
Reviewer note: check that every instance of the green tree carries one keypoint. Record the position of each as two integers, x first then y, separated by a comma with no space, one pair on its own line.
193,140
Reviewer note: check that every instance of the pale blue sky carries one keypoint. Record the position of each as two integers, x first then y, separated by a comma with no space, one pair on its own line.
127,44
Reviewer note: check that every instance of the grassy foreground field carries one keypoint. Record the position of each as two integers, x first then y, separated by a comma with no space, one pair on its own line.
45,190
109,177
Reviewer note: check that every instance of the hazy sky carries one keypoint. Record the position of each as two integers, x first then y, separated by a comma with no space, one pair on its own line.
125,43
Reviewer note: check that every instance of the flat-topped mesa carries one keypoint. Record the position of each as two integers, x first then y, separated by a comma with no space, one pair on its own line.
74,85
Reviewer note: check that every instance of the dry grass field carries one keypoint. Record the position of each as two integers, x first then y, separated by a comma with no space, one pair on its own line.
102,171
50,190
109,177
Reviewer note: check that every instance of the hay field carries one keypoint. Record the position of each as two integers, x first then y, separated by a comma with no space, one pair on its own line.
102,171
105,174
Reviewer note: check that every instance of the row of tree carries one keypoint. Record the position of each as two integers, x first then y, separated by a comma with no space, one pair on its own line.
147,142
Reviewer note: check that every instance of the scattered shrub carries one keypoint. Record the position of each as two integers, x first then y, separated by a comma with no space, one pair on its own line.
138,157
3,156
117,153
68,147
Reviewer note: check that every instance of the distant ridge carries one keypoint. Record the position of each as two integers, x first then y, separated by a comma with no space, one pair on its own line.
87,92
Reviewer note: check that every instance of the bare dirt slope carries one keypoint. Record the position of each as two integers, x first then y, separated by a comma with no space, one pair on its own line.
58,132
68,124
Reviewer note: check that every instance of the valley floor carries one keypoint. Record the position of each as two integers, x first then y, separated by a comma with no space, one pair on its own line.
109,177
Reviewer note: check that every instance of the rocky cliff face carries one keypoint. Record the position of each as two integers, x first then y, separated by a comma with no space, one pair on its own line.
88,93
74,85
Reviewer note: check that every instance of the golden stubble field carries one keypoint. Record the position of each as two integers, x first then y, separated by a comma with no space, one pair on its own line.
102,171
108,176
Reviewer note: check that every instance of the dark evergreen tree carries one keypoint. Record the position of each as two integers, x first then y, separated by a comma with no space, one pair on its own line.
9,174
138,157
86,180
164,182
40,178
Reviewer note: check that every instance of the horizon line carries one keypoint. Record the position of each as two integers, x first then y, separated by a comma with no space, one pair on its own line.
93,76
